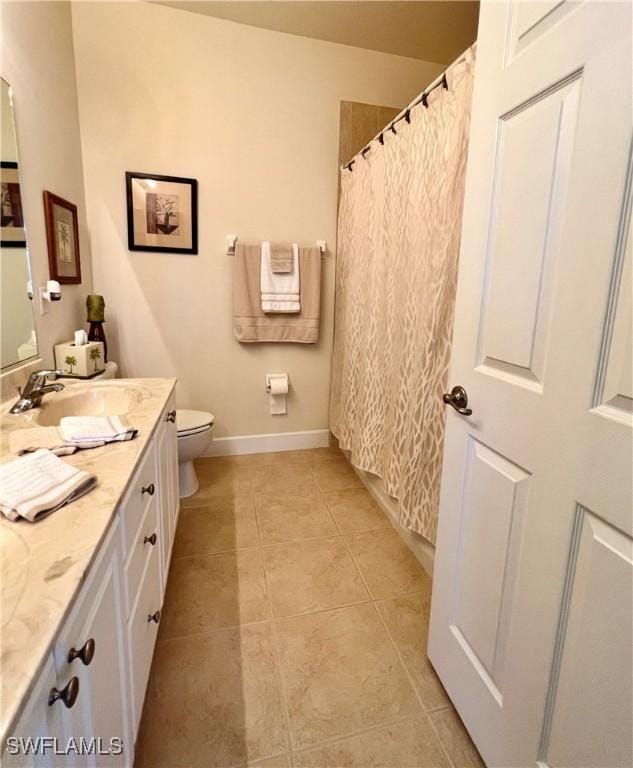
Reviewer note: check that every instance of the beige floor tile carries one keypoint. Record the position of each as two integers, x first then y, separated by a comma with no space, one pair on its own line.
408,744
281,761
220,477
290,518
281,458
318,455
386,563
340,674
222,524
407,619
354,510
336,475
310,576
289,479
456,740
213,700
208,592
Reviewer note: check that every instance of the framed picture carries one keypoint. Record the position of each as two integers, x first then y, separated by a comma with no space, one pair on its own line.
62,236
162,213
12,221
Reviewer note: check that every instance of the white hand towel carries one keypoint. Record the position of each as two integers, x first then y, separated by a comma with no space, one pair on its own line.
35,485
90,429
29,440
280,290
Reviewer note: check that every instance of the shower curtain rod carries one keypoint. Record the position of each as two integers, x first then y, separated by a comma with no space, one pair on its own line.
405,114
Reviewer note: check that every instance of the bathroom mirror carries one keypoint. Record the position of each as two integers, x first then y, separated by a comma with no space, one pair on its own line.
17,327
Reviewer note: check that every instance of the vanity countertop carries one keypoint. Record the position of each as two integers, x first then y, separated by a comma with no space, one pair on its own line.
43,564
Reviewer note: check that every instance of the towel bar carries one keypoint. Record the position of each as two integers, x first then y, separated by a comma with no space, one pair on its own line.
232,239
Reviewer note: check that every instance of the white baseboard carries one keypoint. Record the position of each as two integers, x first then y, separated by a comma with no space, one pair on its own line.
280,441
421,548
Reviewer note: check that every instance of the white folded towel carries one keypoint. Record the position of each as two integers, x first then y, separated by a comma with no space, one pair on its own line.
90,429
29,440
35,485
280,290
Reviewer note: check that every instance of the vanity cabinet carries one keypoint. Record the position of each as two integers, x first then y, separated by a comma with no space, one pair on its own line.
99,666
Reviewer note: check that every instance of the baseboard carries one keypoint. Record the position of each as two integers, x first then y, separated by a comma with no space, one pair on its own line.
421,548
280,441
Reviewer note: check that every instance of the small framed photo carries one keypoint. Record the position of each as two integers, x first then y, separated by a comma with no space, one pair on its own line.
162,213
12,221
62,236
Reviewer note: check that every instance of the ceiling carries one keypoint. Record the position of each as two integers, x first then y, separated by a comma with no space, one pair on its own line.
422,29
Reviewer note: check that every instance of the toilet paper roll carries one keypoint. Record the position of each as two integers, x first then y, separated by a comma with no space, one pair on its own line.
279,386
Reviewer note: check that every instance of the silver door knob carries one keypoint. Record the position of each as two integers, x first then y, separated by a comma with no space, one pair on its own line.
458,399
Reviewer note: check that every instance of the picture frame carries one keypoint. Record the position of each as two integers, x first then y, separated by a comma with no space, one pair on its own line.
12,232
162,213
62,237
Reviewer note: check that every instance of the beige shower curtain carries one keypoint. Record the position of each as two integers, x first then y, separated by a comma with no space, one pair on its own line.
398,241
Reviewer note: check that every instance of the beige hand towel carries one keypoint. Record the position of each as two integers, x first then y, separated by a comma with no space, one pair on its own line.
35,485
281,257
251,324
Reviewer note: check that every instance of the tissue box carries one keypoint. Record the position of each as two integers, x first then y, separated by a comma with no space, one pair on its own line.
81,362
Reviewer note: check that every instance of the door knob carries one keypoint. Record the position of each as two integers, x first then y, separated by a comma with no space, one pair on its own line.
148,489
154,616
85,653
171,416
68,694
150,539
458,399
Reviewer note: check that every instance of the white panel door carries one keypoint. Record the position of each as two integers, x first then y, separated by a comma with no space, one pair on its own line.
531,623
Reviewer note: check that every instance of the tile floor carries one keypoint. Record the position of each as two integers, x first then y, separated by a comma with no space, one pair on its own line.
294,629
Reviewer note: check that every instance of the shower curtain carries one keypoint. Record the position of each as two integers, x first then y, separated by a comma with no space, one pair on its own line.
398,240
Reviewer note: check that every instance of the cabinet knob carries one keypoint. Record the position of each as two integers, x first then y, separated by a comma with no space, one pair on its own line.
67,695
148,489
171,416
150,539
154,617
85,653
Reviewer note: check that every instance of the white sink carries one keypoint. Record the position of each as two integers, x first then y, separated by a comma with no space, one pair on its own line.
89,400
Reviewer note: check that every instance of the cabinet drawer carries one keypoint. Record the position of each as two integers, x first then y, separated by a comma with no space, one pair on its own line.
142,632
143,489
147,538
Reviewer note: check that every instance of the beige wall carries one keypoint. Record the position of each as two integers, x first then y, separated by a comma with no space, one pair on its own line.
38,63
254,116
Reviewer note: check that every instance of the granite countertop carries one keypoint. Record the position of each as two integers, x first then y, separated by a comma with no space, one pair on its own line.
44,564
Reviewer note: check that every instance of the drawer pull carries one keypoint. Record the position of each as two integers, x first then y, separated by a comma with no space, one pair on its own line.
67,695
150,539
154,617
148,489
171,416
85,653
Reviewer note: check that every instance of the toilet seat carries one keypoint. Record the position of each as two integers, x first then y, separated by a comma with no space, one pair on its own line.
192,422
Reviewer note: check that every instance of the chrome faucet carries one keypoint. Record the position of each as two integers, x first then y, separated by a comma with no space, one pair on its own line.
36,387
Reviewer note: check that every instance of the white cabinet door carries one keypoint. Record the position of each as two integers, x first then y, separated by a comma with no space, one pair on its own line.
40,731
167,457
532,595
92,648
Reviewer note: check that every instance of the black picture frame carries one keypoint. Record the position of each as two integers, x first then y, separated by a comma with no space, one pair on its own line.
144,230
10,179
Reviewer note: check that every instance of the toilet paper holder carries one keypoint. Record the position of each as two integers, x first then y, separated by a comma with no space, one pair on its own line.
271,376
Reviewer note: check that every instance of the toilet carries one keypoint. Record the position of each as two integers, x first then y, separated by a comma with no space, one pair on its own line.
194,437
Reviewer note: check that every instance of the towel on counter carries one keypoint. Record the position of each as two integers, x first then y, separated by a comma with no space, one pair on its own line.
91,429
282,257
29,440
33,486
251,324
280,290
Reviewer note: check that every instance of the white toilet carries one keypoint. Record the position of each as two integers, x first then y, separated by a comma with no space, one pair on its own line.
194,437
